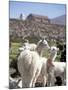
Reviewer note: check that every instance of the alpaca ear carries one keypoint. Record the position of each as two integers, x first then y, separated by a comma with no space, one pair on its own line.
57,49
49,48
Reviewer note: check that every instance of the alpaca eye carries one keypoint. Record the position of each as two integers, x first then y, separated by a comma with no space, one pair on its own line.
53,49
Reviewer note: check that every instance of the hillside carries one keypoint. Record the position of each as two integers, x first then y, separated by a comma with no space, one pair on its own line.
61,20
34,26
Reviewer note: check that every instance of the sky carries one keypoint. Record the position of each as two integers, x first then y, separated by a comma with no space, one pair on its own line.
44,9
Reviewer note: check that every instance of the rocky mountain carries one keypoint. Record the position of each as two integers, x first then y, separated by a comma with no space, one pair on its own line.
61,20
35,26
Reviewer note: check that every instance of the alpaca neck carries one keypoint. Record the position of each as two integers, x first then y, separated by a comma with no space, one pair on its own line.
53,56
39,50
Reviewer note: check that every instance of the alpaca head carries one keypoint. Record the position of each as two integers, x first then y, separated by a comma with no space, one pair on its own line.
26,41
43,44
54,49
25,46
53,52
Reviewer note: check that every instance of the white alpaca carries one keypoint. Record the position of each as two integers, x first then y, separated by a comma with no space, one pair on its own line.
45,69
51,69
31,47
29,64
58,68
27,45
41,47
